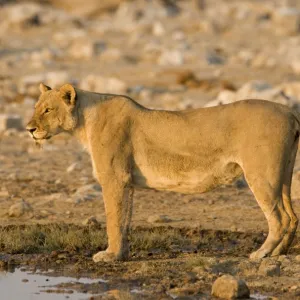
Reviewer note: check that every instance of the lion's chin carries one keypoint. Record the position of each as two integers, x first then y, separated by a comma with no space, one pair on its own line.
40,140
41,136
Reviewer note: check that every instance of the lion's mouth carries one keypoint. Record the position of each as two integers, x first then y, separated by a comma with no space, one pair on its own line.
42,135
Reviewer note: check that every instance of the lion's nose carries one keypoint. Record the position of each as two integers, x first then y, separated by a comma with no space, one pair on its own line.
31,129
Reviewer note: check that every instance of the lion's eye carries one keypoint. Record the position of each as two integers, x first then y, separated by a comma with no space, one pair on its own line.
47,110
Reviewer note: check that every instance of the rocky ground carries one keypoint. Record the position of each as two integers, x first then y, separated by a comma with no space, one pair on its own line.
164,54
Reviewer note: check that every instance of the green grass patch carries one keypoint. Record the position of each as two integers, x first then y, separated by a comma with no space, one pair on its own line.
46,238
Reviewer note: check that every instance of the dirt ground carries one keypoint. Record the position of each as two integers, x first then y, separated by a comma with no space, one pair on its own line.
164,59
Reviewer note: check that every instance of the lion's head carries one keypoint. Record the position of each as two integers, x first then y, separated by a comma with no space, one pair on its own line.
54,112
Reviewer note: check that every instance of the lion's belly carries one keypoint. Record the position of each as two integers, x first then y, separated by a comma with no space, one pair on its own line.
192,181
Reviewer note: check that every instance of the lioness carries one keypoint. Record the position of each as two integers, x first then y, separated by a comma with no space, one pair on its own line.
183,151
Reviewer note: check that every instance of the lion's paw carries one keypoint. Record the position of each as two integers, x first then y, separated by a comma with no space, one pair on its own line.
258,254
104,256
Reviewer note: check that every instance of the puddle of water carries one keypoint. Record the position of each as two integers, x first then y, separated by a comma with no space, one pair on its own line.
12,287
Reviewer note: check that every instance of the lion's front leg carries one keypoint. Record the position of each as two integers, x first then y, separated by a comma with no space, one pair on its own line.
118,207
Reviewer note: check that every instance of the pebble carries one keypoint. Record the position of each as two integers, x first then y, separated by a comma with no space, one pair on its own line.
82,49
90,221
100,84
73,167
229,287
171,57
19,209
158,219
269,267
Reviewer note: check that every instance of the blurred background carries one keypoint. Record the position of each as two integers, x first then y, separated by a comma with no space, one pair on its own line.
165,54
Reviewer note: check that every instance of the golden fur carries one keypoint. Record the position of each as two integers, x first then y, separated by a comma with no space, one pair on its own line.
184,151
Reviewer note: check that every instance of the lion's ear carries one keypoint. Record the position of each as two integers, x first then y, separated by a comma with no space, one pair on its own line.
44,88
68,93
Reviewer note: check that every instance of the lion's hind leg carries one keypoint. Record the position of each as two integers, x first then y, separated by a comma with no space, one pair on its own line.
265,181
278,221
288,238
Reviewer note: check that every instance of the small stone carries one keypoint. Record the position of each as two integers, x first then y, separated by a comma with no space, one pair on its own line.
10,122
102,84
19,209
171,57
184,293
224,97
241,184
90,221
287,20
190,277
74,166
86,193
158,219
25,280
111,55
158,29
296,66
229,287
4,193
82,48
215,58
269,267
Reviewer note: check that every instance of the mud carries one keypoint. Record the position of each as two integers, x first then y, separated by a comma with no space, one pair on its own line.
169,272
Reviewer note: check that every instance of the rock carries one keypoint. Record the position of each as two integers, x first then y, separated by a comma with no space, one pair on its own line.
228,287
159,219
4,193
24,15
286,20
29,84
158,29
291,90
262,90
10,122
65,38
256,89
96,83
297,258
82,48
171,57
224,97
74,167
21,14
263,60
215,57
8,89
111,55
269,267
90,7
86,193
241,183
184,293
90,221
296,66
19,209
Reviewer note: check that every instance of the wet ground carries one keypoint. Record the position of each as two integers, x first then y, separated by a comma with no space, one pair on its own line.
162,266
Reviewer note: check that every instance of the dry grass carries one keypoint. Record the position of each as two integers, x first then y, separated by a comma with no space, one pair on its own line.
45,238
38,238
